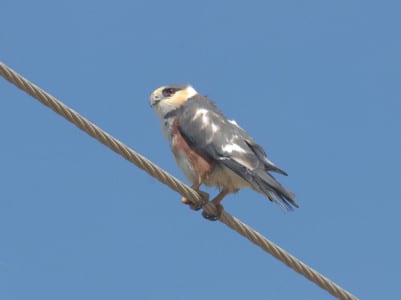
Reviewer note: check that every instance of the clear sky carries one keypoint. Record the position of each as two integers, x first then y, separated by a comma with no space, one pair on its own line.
317,83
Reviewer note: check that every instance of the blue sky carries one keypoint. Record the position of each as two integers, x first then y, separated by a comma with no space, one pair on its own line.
317,83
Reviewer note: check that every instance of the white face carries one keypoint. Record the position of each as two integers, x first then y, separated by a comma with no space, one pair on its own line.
168,98
162,108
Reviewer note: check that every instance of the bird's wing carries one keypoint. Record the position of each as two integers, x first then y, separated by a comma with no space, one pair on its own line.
261,154
214,137
259,151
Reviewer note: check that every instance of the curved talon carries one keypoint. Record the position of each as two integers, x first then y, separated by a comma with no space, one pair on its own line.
214,217
195,207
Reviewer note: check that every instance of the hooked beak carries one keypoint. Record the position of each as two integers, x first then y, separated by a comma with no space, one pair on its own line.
154,99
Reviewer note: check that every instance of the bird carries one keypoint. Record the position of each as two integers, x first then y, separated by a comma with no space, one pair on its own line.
214,151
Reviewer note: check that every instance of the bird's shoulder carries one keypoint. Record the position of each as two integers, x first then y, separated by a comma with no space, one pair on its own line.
200,104
201,114
207,129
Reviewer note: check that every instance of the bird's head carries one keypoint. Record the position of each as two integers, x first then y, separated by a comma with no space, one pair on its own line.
170,97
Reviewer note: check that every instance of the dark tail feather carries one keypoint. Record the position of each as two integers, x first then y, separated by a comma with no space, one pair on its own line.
276,169
269,186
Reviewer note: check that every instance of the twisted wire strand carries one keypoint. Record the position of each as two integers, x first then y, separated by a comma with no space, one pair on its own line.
164,177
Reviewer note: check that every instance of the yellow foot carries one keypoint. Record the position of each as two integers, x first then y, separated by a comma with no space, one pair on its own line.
185,200
205,199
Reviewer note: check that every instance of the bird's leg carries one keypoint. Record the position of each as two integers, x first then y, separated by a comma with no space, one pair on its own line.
205,197
219,208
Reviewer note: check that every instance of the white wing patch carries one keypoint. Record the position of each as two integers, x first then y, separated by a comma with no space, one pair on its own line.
201,112
233,122
243,162
214,128
204,114
230,148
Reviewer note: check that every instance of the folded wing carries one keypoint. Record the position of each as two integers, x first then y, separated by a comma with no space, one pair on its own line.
214,137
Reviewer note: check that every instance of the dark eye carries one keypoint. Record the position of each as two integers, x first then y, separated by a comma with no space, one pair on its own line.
168,92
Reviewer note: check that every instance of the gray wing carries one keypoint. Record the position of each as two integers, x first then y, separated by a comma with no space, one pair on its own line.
259,151
214,137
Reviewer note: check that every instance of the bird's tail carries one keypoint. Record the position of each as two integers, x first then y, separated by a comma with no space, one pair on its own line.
269,186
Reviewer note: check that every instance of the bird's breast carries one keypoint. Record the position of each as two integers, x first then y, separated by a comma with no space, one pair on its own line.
194,166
